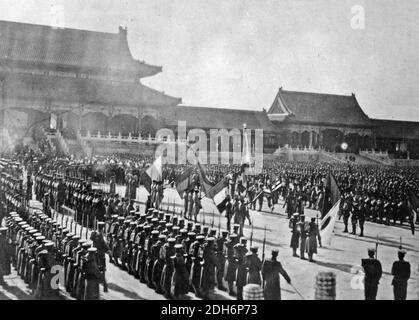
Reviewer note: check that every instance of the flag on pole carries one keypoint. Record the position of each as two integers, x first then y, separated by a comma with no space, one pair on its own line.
218,194
327,224
205,183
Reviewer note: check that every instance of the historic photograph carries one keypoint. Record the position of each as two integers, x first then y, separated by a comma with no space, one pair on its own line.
209,150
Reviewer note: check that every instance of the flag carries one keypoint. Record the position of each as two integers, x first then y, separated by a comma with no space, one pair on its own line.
332,192
205,183
145,180
155,170
218,194
327,224
246,159
184,181
414,203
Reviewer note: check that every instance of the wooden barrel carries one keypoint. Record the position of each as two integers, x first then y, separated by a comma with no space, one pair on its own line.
325,286
252,292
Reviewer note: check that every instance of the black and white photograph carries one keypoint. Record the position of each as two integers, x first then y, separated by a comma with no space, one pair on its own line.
230,151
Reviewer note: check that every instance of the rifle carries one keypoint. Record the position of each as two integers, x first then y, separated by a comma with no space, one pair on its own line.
66,222
263,246
251,236
87,227
219,225
71,225
213,217
400,247
376,248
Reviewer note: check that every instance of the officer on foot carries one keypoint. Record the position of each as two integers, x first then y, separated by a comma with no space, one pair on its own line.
401,273
373,272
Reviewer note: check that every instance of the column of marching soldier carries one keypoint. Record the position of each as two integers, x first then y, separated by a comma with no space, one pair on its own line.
158,248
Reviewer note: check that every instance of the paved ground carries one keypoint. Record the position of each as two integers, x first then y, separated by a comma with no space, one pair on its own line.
342,257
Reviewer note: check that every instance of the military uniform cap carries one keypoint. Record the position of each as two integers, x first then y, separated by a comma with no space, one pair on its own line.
224,232
120,218
200,237
43,252
176,228
184,231
178,246
146,227
49,244
38,234
275,252
162,222
4,229
143,215
233,236
162,237
401,251
211,239
254,249
133,212
92,250
33,231
133,223
171,240
154,220
21,223
169,225
100,223
114,216
40,238
372,250
191,234
154,232
243,240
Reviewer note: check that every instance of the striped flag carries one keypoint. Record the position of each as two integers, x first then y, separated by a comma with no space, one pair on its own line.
218,194
327,224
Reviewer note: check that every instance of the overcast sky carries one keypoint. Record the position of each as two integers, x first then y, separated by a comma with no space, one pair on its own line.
237,53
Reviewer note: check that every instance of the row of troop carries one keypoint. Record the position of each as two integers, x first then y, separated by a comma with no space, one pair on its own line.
48,256
175,258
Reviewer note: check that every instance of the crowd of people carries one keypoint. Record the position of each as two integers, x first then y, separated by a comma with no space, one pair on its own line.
170,251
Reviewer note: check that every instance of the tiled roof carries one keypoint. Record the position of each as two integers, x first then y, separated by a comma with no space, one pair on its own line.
319,108
218,118
396,129
71,48
41,87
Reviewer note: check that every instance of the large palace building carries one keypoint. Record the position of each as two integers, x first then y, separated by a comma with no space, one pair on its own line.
89,82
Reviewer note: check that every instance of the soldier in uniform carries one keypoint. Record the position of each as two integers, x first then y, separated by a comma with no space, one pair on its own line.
159,260
354,216
92,275
253,265
373,271
313,236
271,269
303,236
99,242
179,284
196,253
167,253
346,211
221,259
208,268
5,257
230,266
295,231
401,273
241,274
